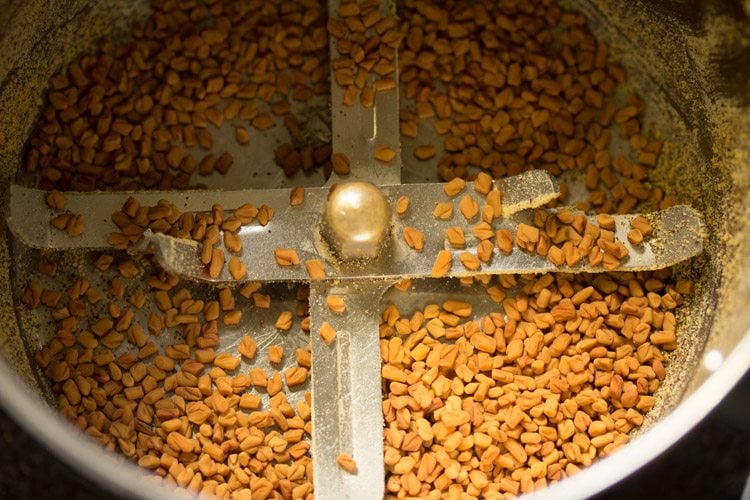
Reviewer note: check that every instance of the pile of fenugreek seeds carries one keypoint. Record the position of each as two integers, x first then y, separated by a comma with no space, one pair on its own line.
493,406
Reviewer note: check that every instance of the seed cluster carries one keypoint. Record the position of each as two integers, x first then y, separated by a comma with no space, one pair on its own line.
516,86
72,224
208,229
502,404
523,397
567,237
188,413
303,155
367,43
564,237
125,116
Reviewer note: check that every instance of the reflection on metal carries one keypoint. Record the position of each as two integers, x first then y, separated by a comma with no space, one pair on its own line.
713,360
356,220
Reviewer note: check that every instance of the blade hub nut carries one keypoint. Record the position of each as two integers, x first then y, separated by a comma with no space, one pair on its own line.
356,220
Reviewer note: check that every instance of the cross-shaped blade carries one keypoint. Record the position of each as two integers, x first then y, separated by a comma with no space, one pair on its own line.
347,414
678,237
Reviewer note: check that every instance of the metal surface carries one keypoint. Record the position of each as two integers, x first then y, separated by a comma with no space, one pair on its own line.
679,237
29,216
48,35
356,220
679,233
358,131
347,412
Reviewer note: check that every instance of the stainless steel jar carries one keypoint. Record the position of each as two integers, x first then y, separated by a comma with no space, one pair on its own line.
693,64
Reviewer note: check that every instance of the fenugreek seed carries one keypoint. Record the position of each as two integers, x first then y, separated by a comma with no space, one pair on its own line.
483,231
258,377
127,269
385,154
442,264
367,97
458,307
263,121
265,214
297,196
485,251
527,236
409,128
248,289
247,348
296,375
483,183
390,372
226,361
275,353
402,205
469,207
340,163
454,187
470,261
327,333
425,152
494,200
246,213
60,221
217,263
350,95
455,237
403,285
336,304
55,199
384,84
76,226
243,136
237,268
149,462
226,299
284,321
348,9
232,242
249,401
635,237
232,317
347,463
315,269
286,257
643,225
504,240
261,300
556,256
414,238
606,221
443,211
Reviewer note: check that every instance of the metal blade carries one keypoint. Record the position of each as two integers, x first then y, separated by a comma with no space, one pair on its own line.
347,416
30,216
679,237
357,131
